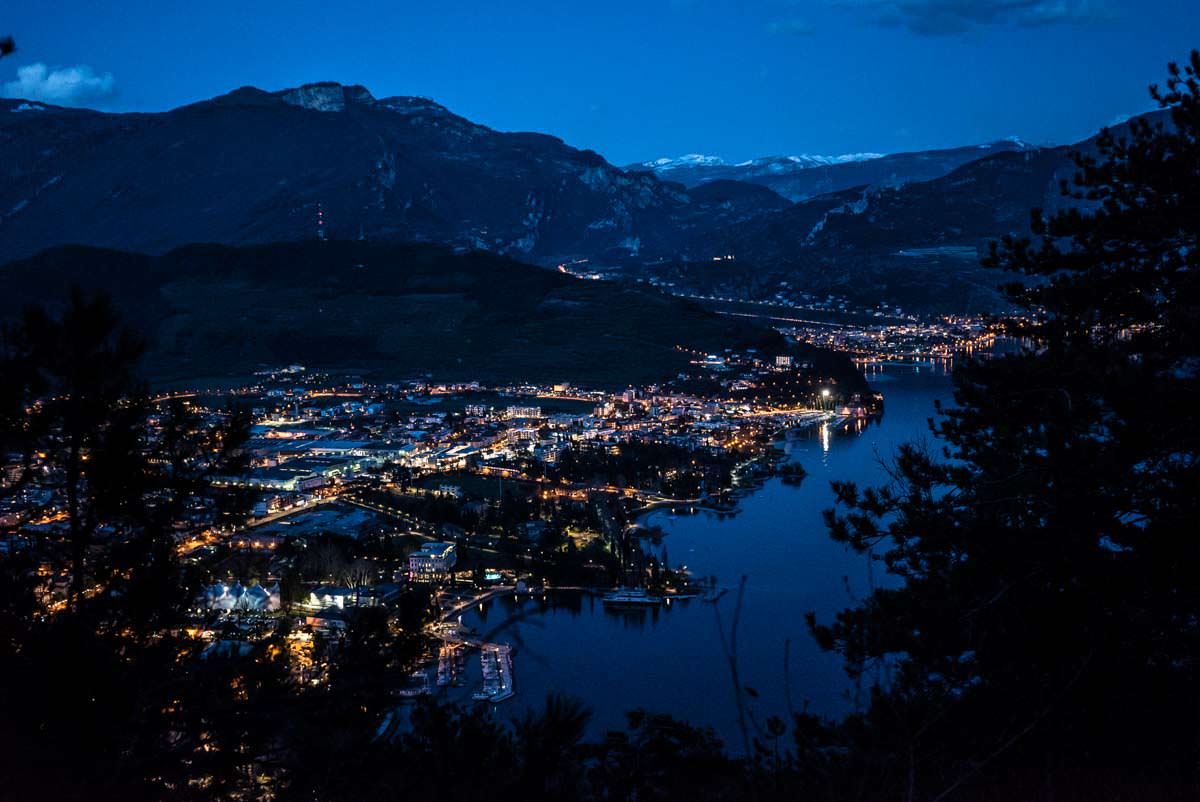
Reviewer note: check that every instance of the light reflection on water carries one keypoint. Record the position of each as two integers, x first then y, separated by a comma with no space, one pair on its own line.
670,659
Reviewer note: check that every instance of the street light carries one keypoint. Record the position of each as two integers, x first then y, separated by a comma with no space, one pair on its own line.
824,396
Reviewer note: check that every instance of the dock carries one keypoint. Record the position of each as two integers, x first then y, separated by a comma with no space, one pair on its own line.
496,659
451,664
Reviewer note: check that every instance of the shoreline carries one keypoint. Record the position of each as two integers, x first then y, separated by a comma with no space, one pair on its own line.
741,488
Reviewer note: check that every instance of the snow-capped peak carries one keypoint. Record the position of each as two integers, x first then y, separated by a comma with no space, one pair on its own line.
808,160
769,163
686,160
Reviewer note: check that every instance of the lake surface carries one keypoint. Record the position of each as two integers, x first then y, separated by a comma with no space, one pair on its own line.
670,659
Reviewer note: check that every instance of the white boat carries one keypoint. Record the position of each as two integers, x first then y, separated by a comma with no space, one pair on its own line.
630,597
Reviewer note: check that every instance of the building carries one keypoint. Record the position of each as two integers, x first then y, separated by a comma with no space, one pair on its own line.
303,473
322,598
433,562
328,619
239,598
342,598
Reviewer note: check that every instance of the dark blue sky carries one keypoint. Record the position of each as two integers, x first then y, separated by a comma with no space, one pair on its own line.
636,80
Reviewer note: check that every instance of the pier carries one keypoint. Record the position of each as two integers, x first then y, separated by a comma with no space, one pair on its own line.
496,659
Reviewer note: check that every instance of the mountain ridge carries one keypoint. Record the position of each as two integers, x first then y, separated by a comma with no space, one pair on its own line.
799,178
255,166
917,244
390,310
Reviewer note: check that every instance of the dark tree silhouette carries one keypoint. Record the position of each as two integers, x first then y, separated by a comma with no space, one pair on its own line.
1050,607
549,744
68,376
102,697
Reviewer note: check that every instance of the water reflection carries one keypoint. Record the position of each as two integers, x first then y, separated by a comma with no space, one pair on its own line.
670,659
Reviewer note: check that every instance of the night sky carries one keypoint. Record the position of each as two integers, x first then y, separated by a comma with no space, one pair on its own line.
638,80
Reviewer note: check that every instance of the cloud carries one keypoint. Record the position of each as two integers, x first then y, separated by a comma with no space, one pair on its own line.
944,17
789,27
65,86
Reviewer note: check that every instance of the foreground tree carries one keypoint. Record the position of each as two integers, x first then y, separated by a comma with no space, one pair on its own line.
101,693
1046,634
70,396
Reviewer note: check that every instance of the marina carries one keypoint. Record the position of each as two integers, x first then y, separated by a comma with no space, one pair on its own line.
451,664
496,662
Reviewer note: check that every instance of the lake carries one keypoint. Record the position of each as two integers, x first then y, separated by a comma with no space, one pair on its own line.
670,659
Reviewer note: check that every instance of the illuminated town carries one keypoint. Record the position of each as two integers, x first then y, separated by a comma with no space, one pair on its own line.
360,492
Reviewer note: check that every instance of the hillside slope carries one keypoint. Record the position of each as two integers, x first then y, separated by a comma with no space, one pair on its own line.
917,245
389,310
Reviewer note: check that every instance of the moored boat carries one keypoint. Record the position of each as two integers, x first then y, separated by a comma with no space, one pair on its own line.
630,597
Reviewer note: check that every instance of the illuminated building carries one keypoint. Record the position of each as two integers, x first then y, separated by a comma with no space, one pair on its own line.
432,562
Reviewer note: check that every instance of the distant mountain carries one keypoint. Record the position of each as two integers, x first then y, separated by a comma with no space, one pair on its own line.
800,177
255,166
693,165
917,244
385,309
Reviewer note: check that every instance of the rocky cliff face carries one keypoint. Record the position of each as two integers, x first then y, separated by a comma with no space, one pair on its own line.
326,96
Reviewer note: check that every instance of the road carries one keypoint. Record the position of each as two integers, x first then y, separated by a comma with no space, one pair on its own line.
415,524
275,516
462,607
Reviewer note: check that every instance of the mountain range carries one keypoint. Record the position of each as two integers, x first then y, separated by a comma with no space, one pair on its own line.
917,244
254,166
798,178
